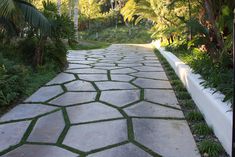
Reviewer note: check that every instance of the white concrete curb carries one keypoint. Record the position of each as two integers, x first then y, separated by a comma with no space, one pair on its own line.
217,114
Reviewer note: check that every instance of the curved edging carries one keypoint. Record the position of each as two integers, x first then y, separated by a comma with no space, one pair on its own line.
217,113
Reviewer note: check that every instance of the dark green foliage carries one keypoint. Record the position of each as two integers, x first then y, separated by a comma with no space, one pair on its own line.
41,76
18,81
212,148
62,25
180,87
217,75
55,53
187,103
201,129
12,82
26,49
183,95
176,82
194,116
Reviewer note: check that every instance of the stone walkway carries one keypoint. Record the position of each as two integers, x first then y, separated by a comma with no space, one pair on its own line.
114,102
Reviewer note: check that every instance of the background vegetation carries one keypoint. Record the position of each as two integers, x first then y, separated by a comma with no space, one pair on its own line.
38,32
32,47
35,36
198,31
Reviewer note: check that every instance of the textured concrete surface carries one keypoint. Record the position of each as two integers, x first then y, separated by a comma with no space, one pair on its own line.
113,102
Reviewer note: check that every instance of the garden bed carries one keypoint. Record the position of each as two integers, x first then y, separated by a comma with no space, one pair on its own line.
217,113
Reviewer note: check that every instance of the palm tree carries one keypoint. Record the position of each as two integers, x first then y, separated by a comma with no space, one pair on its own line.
13,12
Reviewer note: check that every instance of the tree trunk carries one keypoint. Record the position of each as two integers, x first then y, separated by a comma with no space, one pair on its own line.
190,18
59,6
76,17
211,17
38,56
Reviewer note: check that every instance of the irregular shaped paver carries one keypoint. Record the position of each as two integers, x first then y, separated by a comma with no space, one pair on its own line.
146,109
148,68
45,93
91,112
123,71
24,111
40,151
104,64
129,65
99,125
87,71
82,62
150,62
77,66
125,78
96,135
153,64
48,128
12,133
71,98
166,137
120,98
79,86
127,150
61,78
93,77
109,85
106,68
149,83
151,75
165,97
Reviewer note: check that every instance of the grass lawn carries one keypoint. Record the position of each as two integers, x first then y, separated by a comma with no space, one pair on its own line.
89,44
123,34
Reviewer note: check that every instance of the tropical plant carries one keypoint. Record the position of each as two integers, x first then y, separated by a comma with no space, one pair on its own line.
15,12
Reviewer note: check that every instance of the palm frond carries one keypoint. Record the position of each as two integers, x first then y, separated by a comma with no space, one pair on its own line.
6,7
34,17
8,27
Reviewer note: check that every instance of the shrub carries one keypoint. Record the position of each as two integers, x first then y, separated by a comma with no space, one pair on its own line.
55,53
12,81
26,49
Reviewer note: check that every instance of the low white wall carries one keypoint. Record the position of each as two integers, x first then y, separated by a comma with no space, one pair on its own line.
217,114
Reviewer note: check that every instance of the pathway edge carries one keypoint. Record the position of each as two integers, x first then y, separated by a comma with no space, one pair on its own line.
217,113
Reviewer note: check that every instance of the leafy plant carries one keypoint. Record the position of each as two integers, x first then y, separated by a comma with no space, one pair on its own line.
187,103
201,129
183,95
12,12
194,116
212,148
12,82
